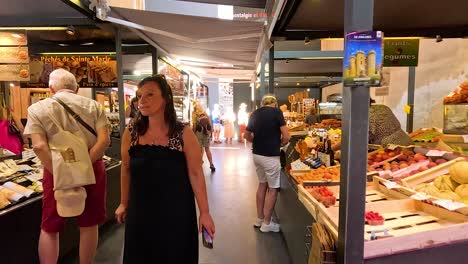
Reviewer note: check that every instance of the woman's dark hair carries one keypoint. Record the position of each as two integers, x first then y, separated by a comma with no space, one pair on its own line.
170,117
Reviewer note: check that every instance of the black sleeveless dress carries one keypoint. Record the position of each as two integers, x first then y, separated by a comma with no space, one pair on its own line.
161,225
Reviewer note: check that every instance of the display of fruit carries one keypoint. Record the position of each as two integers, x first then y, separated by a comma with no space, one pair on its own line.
459,172
323,195
462,191
460,95
375,158
448,195
428,188
324,174
445,183
374,218
430,135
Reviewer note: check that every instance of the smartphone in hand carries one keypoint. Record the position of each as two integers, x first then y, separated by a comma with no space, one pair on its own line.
207,239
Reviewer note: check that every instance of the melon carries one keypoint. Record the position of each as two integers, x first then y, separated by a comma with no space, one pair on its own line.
459,172
462,191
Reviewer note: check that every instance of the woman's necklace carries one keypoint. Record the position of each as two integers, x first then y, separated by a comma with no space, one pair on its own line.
154,139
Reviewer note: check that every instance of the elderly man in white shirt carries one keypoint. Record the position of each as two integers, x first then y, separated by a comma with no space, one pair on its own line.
41,128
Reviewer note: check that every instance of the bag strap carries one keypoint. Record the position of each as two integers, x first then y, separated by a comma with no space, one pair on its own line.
75,116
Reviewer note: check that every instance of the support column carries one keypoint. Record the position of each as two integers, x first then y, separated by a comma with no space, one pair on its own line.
358,17
262,78
411,88
154,59
120,86
271,70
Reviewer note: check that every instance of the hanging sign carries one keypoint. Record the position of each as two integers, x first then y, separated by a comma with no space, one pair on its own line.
14,72
90,70
401,52
362,61
13,39
14,55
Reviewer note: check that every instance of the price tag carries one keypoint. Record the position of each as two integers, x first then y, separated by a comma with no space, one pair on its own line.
435,153
449,204
34,177
465,138
390,184
420,196
27,154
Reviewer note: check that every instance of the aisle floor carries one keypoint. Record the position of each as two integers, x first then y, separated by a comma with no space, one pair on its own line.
231,191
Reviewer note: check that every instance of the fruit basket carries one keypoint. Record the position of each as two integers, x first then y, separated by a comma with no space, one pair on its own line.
320,176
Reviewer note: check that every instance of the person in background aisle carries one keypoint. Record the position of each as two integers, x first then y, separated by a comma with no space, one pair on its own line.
161,175
384,127
216,121
267,131
41,127
228,119
132,109
312,118
204,131
242,121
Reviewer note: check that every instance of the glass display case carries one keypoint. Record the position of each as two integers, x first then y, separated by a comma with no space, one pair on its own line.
456,119
330,110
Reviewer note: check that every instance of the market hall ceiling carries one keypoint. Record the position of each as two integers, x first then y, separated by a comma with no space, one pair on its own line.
244,3
323,19
23,13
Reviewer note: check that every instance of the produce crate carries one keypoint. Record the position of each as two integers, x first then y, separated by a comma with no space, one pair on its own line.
429,175
412,224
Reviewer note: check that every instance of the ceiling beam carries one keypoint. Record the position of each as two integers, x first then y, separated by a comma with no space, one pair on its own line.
286,16
44,22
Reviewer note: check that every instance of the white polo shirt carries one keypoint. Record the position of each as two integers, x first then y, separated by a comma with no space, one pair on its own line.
39,121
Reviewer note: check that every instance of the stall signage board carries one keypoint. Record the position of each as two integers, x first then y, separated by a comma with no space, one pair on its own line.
363,58
14,72
13,39
401,52
14,55
90,70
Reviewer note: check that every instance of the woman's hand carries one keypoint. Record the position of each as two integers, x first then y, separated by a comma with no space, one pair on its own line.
121,213
207,222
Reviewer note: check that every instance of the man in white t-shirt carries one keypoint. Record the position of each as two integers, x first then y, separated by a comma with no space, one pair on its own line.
41,127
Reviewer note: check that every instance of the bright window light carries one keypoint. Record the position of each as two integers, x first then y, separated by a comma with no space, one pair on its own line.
225,12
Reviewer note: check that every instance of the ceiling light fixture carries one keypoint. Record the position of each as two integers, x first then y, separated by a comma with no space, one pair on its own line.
70,30
63,45
136,72
298,84
87,44
12,85
439,38
308,89
276,84
307,41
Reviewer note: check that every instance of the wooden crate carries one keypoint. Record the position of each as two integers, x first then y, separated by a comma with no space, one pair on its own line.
429,175
399,192
414,225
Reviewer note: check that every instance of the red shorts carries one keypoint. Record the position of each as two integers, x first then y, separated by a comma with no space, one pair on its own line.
242,128
95,207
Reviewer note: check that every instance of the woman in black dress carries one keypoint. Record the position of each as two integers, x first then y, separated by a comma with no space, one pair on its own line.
161,175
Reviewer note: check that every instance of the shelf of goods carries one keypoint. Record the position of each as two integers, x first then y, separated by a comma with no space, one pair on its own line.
21,208
416,200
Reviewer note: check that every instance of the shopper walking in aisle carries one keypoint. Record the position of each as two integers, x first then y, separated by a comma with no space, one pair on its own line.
204,131
132,109
161,174
228,120
46,119
267,131
216,119
242,121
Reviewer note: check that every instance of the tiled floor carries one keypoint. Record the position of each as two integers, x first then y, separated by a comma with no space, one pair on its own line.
231,191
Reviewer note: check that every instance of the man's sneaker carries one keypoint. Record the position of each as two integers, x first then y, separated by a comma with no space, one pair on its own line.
272,227
258,223
212,168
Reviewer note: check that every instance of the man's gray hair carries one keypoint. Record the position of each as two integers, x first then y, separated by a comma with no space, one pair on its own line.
62,79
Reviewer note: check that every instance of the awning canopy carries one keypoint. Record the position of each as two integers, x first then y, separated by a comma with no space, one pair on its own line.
245,3
396,18
214,42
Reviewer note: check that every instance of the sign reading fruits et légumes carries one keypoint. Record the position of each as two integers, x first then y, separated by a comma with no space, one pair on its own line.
401,52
